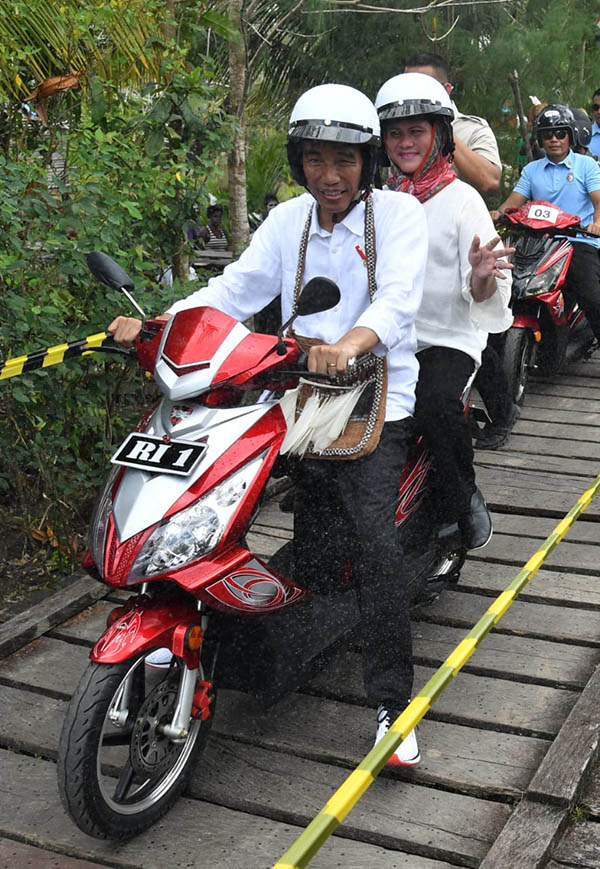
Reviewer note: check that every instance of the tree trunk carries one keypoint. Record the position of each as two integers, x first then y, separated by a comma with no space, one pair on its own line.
236,162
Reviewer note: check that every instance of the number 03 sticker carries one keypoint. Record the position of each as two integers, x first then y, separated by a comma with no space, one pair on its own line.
543,212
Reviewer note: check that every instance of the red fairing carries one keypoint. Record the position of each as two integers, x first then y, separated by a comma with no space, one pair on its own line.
521,215
196,335
254,355
145,624
147,350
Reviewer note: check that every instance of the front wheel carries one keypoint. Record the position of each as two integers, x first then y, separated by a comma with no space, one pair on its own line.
517,359
117,772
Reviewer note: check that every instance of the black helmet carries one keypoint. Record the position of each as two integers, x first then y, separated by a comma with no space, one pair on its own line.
556,117
334,113
583,128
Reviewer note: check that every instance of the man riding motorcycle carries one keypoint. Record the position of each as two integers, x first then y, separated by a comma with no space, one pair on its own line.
333,138
572,182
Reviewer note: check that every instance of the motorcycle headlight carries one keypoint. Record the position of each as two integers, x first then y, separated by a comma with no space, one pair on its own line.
542,282
99,523
195,531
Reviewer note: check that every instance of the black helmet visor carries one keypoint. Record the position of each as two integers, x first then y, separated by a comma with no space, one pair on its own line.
411,108
333,131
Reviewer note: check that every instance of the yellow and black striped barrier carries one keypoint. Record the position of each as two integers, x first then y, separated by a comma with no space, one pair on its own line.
53,355
345,798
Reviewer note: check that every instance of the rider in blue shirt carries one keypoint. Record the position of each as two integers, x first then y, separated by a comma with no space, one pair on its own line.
572,182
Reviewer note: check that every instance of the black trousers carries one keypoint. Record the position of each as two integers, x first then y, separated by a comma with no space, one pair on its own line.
345,509
491,382
440,417
583,280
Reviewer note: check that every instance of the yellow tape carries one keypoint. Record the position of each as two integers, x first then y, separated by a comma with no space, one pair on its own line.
344,798
502,603
323,825
461,654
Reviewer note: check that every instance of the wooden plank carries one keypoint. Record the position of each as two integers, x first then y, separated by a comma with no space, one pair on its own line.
561,773
280,785
527,839
590,797
325,731
453,756
570,557
531,493
30,722
35,621
568,589
426,820
527,619
583,415
552,446
533,400
537,464
18,855
539,527
553,664
514,707
47,665
579,848
193,831
87,625
550,430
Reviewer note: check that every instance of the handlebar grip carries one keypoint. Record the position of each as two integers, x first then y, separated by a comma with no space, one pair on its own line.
302,361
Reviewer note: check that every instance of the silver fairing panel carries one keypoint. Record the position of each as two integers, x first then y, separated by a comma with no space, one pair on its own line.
143,498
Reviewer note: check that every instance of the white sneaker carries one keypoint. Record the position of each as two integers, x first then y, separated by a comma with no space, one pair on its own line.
407,753
160,658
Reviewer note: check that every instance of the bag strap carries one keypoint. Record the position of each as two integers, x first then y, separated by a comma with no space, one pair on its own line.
370,251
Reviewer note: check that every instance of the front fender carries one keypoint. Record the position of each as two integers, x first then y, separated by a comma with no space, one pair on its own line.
145,623
526,321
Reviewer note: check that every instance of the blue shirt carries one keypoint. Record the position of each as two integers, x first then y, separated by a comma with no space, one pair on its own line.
594,145
567,184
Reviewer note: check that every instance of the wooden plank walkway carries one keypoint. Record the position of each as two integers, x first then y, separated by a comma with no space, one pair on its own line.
486,787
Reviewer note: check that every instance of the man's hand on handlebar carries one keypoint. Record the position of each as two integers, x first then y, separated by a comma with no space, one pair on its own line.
593,228
125,330
333,358
496,215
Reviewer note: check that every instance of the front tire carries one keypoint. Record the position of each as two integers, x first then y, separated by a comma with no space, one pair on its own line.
117,777
517,359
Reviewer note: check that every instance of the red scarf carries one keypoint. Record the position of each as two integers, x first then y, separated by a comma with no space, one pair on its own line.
433,174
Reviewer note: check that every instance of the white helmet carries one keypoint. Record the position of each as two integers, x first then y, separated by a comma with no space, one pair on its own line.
410,94
413,94
334,113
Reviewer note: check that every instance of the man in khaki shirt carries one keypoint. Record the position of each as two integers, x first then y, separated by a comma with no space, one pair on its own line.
476,156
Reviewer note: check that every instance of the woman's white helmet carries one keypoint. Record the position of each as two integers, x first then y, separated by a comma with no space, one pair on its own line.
413,94
410,94
334,113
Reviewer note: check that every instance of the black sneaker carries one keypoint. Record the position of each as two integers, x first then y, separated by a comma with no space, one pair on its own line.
407,753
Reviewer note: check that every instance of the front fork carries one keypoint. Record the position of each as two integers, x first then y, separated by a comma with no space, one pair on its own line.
192,695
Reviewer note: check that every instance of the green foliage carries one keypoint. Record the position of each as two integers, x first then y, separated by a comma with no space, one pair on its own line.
138,167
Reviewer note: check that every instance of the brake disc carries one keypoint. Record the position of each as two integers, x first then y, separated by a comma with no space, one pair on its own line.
151,752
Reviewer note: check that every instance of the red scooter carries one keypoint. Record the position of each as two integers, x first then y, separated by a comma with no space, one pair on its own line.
549,325
171,526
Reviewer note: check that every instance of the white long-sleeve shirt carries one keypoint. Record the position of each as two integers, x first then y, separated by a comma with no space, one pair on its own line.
449,316
268,267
